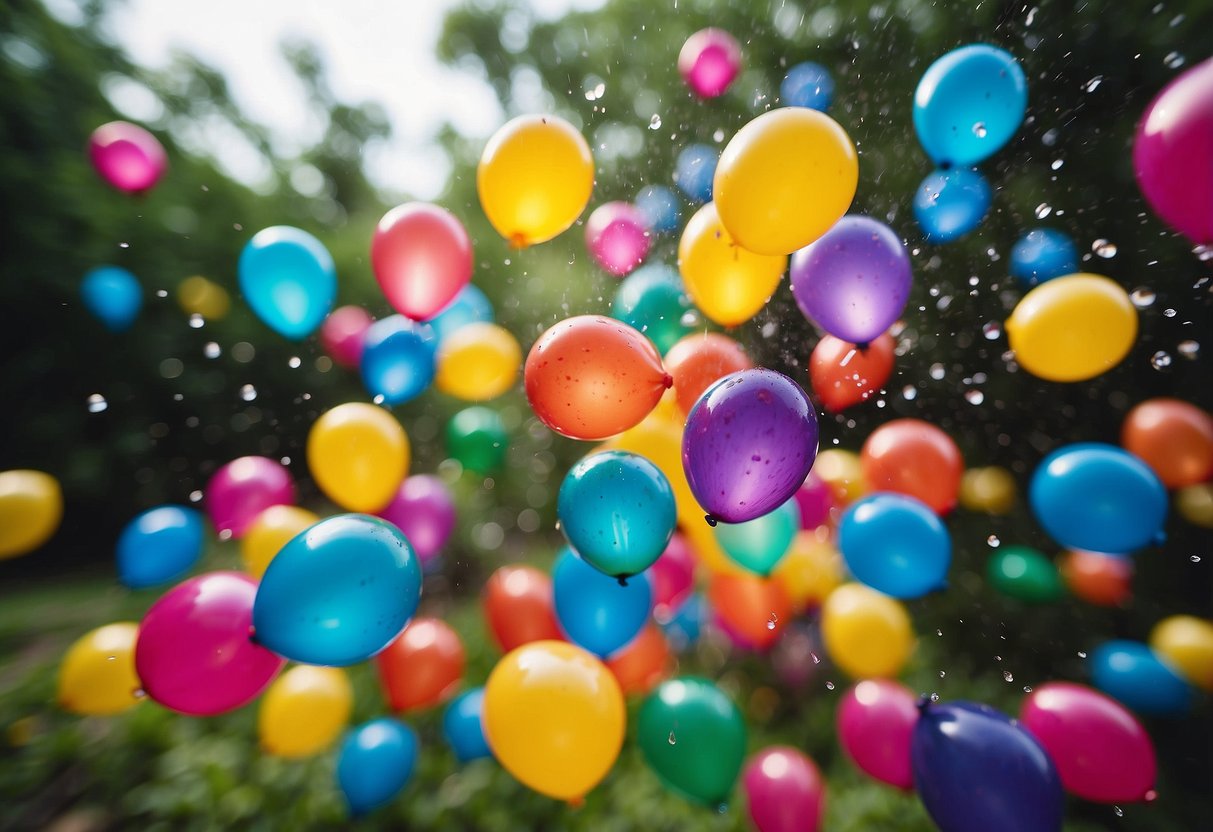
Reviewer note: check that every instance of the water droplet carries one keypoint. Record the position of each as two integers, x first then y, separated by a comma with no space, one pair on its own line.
939,633
992,331
1043,210
1160,360
294,362
195,496
1120,813
774,619
1169,313
1082,654
1027,688
162,293
974,396
943,673
909,392
721,808
816,658
672,739
211,350
1203,253
1057,163
710,520
380,399
1093,84
595,92
1006,674
829,685
1142,297
139,693
934,697
248,392
979,130
936,371
1031,18
1195,558
993,542
196,321
655,122
97,403
1104,249
1174,60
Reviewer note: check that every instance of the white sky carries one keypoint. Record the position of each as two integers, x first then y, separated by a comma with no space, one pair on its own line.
381,51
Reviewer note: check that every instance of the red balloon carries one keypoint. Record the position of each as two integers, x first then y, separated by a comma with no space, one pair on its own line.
842,374
643,663
422,257
753,608
910,456
518,607
422,667
698,361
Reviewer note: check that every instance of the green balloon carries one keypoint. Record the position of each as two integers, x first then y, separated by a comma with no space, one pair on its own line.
693,737
759,545
476,437
1024,573
653,300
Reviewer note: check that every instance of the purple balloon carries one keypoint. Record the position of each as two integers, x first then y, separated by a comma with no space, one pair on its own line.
854,281
244,488
424,510
749,443
784,791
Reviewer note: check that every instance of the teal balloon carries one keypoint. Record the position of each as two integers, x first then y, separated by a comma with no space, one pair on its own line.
653,300
951,203
113,295
338,593
288,278
597,612
160,545
375,762
759,545
895,544
617,510
398,359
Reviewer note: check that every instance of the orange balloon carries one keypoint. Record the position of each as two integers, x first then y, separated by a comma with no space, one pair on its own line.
757,609
642,663
1174,438
422,667
518,607
591,377
842,374
1104,580
910,456
698,361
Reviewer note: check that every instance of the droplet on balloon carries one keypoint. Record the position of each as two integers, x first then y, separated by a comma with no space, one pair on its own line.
992,331
979,130
1104,249
97,403
248,393
1142,297
773,621
1043,210
672,739
1160,360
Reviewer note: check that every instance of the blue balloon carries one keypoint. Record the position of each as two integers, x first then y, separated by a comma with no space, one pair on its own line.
694,170
598,612
975,768
1098,498
969,103
338,593
462,726
375,762
759,545
951,203
617,510
113,295
807,85
159,546
398,359
660,207
470,306
1133,673
895,544
288,278
683,628
1043,254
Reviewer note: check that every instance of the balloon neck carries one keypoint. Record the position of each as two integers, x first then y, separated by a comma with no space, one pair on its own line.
252,637
924,702
623,580
667,381
863,346
710,520
576,802
945,166
518,240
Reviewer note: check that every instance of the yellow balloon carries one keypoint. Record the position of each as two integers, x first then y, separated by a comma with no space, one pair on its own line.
810,571
843,472
358,454
866,633
728,283
198,296
1072,328
1187,643
990,490
272,530
478,362
535,178
554,717
31,506
784,179
1195,504
304,711
97,676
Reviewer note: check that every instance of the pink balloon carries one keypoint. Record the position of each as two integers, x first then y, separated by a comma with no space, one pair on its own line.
422,257
127,156
194,654
672,576
1173,153
617,237
815,500
343,333
244,488
1100,749
709,61
875,722
784,790
425,511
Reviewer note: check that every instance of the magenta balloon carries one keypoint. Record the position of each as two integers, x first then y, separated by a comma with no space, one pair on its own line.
815,500
422,257
344,332
784,790
875,723
854,281
617,237
1100,749
424,511
1173,153
244,488
127,156
749,443
672,576
194,653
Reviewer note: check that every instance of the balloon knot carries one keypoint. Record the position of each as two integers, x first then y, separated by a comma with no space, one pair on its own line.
576,802
518,240
252,637
945,166
623,580
667,381
711,520
863,346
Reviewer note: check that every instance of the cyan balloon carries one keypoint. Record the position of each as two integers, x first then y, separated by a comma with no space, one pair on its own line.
470,306
1098,498
896,545
654,301
598,612
660,207
398,359
339,592
683,628
159,546
807,85
759,545
969,104
462,726
976,768
289,280
1133,673
694,170
951,203
113,295
1043,254
375,762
